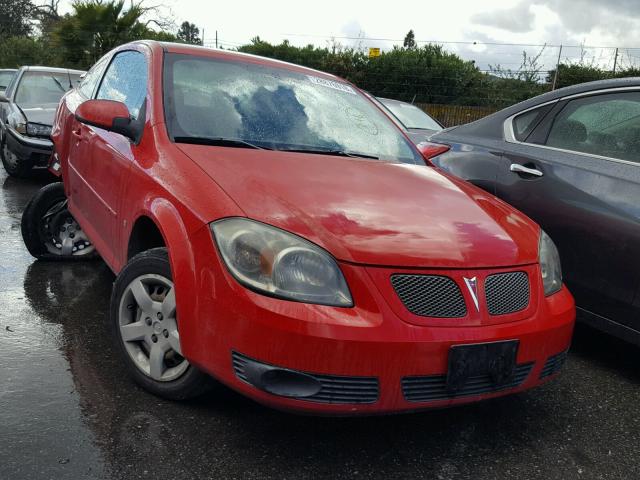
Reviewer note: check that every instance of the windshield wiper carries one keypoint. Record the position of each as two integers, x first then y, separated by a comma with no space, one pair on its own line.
218,142
337,153
58,83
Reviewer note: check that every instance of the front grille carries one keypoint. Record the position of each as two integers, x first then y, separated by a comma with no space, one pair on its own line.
506,292
431,388
335,389
430,295
553,364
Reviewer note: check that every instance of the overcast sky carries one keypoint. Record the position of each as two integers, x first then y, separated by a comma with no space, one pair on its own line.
599,23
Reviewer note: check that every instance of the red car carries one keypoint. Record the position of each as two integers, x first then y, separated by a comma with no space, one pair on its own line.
272,228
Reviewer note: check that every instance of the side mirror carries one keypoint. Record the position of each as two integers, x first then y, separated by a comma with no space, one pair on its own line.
3,97
108,115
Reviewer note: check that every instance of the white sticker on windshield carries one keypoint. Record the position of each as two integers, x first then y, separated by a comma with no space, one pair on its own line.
331,84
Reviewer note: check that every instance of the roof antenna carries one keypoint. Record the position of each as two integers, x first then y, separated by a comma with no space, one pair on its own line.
71,85
414,98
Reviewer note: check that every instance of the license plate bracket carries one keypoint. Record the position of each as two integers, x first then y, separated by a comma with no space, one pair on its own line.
495,359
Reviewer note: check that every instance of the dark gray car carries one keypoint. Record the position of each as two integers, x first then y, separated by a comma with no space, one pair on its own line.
570,159
27,109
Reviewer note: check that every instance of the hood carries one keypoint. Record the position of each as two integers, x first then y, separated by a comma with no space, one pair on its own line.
373,212
40,114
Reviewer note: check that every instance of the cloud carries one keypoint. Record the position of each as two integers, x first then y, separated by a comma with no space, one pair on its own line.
517,19
581,16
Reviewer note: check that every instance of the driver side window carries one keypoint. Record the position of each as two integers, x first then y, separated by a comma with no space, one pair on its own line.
126,81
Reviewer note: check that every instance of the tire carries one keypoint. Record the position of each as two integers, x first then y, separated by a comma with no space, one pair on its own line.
50,232
141,309
14,165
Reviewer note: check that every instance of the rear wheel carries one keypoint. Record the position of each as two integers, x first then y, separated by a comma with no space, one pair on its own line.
49,231
14,165
143,317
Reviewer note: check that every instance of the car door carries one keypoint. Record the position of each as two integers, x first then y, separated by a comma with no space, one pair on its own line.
577,174
107,156
79,159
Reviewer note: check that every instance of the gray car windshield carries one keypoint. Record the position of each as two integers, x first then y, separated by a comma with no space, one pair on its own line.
276,108
411,116
39,88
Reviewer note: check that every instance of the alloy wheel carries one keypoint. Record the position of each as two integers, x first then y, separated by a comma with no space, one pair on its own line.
148,327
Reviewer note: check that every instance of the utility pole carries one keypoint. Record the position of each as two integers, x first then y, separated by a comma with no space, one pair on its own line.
555,75
216,38
202,38
615,62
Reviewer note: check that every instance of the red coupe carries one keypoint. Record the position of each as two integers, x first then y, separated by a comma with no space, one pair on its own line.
272,228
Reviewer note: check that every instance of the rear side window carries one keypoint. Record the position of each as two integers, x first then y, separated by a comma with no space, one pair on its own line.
526,122
126,81
606,125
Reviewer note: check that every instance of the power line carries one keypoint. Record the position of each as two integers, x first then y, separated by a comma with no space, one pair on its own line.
448,42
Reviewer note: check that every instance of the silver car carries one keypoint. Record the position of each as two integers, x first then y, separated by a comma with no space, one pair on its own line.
27,109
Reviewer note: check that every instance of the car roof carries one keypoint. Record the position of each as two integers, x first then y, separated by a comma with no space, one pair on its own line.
38,68
492,125
229,54
576,89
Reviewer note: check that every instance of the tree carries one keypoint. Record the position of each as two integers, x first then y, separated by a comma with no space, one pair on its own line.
189,33
409,40
15,19
97,26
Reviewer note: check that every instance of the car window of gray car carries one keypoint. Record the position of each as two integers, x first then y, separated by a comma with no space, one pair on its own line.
11,87
91,79
5,79
126,81
411,116
606,125
40,87
526,122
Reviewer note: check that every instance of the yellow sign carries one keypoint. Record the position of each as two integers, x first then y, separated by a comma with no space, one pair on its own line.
374,52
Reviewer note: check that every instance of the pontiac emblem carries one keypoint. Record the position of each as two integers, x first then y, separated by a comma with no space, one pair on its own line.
472,286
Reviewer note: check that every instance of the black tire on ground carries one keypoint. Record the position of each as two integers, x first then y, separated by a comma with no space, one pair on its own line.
20,168
192,382
32,224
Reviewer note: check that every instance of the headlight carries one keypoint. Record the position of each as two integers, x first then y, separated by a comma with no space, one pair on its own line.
38,130
549,264
281,264
21,128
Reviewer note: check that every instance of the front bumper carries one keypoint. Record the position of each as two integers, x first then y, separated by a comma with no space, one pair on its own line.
35,150
366,345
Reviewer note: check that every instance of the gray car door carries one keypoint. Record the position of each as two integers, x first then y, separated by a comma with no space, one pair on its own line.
581,183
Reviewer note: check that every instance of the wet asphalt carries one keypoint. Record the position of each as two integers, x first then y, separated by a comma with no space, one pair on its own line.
68,410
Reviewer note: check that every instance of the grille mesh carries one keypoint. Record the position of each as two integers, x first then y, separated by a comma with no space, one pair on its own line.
553,364
507,292
430,295
431,388
335,389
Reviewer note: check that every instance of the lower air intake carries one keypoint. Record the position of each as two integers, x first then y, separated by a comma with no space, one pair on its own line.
432,388
553,364
304,385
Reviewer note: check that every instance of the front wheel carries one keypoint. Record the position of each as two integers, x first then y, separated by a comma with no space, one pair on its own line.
49,231
143,318
14,165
